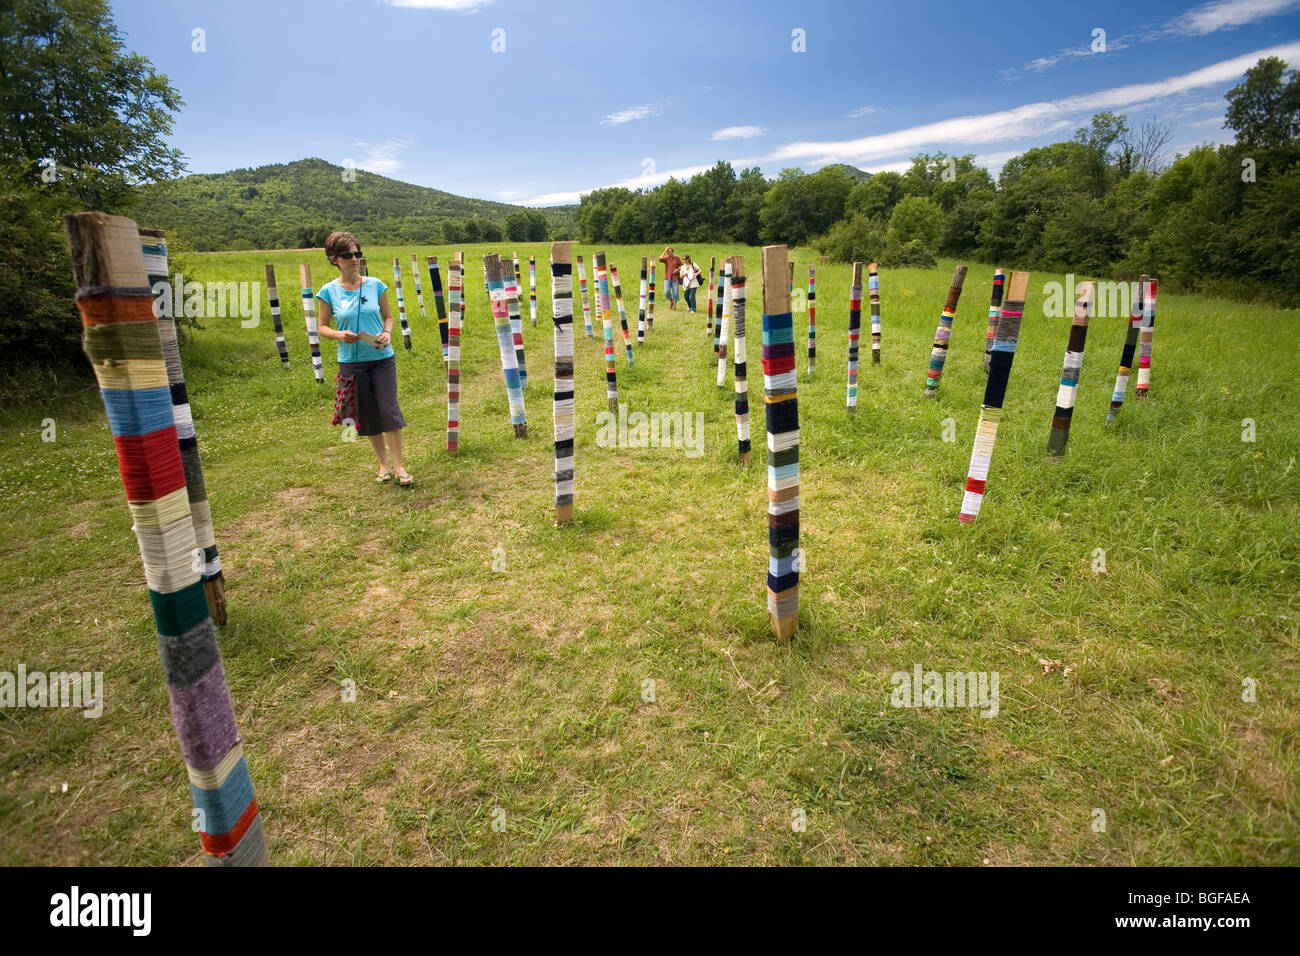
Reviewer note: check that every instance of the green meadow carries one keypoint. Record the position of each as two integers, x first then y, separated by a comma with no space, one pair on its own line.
609,691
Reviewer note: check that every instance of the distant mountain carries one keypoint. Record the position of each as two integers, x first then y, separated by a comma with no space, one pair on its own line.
294,205
857,175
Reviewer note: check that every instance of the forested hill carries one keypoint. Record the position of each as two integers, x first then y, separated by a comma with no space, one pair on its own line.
294,205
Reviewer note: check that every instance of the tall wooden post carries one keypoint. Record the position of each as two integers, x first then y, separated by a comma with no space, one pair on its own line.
781,404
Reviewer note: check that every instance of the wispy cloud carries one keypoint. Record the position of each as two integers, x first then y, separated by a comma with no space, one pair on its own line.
382,157
455,6
1039,64
862,111
632,113
738,132
1222,15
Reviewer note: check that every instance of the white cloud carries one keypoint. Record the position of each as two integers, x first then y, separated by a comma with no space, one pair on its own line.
1222,15
862,111
1038,64
632,113
738,132
382,158
636,182
455,6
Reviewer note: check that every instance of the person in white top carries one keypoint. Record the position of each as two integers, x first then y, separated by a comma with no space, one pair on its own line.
689,274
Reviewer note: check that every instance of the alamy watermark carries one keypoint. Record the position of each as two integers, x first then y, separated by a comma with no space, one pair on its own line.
651,430
216,300
82,690
948,689
1113,299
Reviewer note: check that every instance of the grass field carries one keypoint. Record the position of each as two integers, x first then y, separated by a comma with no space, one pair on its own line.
523,690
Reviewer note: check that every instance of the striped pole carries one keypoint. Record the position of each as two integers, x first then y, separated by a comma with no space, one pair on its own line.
439,306
519,278
781,403
532,289
1136,314
708,309
739,356
564,412
153,243
855,333
622,312
505,343
640,322
582,289
995,391
717,306
456,291
943,335
812,319
1065,396
516,322
309,316
873,294
611,379
1146,333
401,303
722,328
123,342
419,293
995,309
650,303
273,295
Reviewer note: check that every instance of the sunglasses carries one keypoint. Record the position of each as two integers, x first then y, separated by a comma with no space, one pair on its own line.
349,255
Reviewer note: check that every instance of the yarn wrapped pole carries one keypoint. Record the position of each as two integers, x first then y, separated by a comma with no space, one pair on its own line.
650,301
995,391
1146,332
564,410
532,289
439,306
124,344
582,289
640,322
519,278
606,321
717,306
873,295
516,322
153,243
812,319
419,292
309,316
273,296
1065,396
995,309
855,333
622,312
456,291
708,308
401,303
739,356
781,404
728,266
1136,314
943,335
499,297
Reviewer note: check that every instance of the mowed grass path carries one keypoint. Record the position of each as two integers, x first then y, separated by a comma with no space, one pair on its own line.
523,690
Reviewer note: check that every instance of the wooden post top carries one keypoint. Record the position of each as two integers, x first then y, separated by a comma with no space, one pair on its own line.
105,250
857,273
304,275
738,266
1017,286
776,285
560,251
492,267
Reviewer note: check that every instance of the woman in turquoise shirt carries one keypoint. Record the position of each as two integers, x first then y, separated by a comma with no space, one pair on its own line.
353,304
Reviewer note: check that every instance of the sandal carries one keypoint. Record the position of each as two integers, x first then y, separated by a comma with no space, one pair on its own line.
384,478
405,481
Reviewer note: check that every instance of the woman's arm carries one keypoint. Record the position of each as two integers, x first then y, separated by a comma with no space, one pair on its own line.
324,315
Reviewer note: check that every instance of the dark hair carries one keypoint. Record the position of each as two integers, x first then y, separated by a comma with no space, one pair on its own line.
338,242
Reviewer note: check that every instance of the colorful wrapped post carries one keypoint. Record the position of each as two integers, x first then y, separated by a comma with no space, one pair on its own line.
943,335
606,321
781,404
456,291
995,391
717,306
1065,396
519,278
708,309
123,342
1146,332
153,243
650,302
582,289
500,299
739,356
273,296
532,289
855,333
309,316
812,319
564,410
419,292
873,294
622,312
640,322
440,307
401,303
1136,313
995,309
728,267
516,322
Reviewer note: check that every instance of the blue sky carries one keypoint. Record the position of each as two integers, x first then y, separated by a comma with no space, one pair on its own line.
587,94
